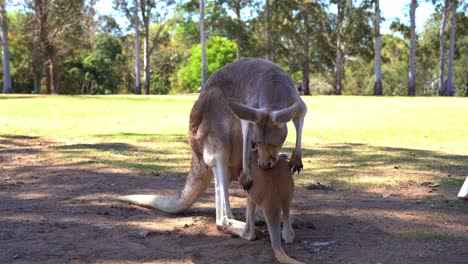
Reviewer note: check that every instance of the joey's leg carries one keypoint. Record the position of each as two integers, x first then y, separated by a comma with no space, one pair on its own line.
246,138
295,163
288,232
274,228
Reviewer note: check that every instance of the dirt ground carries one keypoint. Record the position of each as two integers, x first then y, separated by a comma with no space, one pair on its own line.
54,212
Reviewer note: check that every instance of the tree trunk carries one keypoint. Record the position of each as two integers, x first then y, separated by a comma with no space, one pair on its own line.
36,79
41,17
377,58
305,62
339,50
202,42
451,91
442,50
339,55
238,30
5,48
54,80
147,52
412,77
339,72
137,49
267,30
47,77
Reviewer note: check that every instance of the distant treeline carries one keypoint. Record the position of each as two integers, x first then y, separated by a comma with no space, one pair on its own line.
328,47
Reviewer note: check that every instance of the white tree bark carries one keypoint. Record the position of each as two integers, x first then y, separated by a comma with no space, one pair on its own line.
146,48
377,56
5,49
137,49
450,87
268,54
202,42
412,71
442,50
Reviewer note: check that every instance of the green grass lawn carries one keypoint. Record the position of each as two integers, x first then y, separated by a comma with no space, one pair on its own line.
348,141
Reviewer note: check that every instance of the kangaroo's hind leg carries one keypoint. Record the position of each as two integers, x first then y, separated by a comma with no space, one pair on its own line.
245,230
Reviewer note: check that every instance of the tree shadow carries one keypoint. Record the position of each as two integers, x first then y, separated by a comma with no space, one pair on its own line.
343,163
64,212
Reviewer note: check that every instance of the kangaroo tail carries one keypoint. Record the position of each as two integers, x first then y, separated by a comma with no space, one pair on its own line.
195,185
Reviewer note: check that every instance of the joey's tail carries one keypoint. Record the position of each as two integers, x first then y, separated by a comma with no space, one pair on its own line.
197,181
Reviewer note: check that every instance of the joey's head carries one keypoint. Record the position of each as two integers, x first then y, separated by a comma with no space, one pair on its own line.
269,130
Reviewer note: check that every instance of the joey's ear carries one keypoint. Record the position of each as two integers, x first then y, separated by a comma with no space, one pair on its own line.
245,112
284,115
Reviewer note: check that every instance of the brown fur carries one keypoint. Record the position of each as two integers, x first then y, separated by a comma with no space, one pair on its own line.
220,141
272,191
273,188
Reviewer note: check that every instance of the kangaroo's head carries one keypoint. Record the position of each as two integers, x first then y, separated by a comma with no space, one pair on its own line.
269,130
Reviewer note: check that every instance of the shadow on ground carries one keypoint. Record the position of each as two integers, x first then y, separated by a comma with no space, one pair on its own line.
56,208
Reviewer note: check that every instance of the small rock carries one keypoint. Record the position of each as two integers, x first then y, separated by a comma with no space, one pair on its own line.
7,178
433,185
144,233
322,244
385,195
316,247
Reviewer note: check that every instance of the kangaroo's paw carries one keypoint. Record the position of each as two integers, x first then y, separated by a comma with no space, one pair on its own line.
295,162
245,180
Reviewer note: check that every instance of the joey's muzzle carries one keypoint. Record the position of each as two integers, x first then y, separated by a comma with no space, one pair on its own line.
267,164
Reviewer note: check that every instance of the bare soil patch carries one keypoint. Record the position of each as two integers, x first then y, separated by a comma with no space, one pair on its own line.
52,211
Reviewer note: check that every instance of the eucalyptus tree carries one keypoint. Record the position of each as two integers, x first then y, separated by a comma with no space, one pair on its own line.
150,42
62,27
450,89
237,6
377,58
442,48
136,26
5,49
202,42
131,11
347,32
412,63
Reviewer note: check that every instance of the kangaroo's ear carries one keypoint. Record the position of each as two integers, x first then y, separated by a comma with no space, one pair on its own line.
245,112
284,115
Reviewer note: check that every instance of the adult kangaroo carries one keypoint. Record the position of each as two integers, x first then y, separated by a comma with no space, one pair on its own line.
246,102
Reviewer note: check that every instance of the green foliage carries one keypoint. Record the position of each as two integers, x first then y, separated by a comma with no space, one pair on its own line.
98,66
220,51
97,54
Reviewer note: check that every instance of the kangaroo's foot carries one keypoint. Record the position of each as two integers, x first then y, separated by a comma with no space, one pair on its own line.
238,228
283,258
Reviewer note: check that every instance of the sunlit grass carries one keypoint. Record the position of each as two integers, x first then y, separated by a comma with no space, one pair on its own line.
347,141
